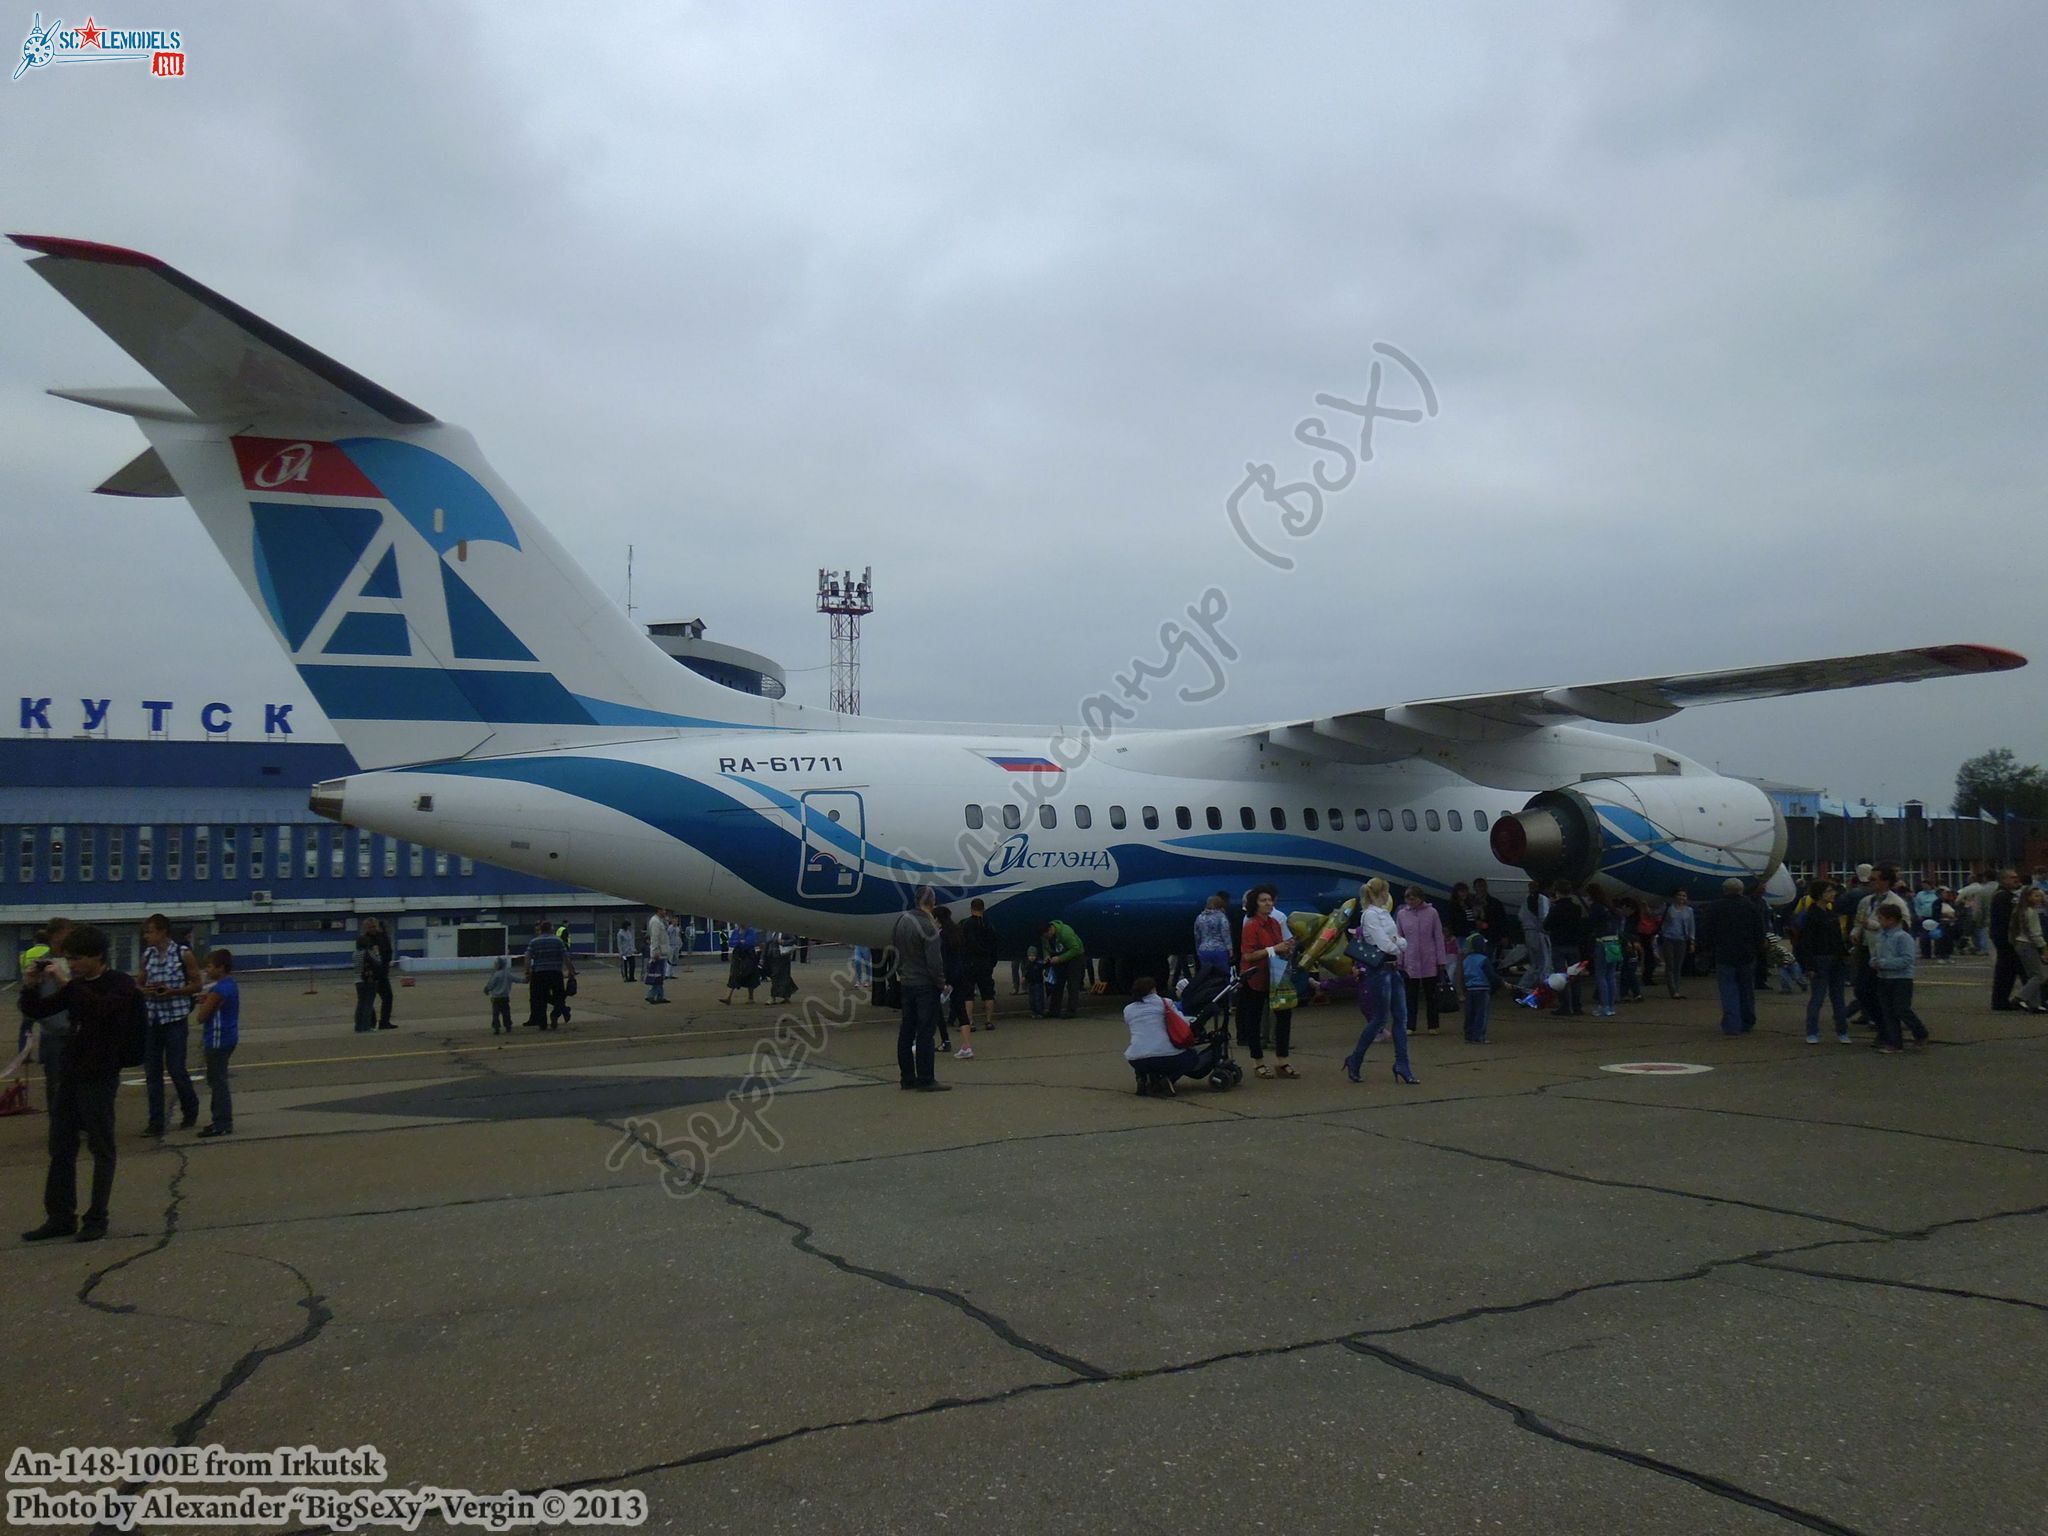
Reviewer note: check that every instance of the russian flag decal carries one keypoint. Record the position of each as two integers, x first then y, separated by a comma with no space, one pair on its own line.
1027,764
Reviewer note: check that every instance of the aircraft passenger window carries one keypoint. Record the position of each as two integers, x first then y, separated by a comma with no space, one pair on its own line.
1336,821
974,816
1387,821
1362,820
1012,817
1408,821
1182,818
1151,818
1116,817
1048,818
1457,821
1279,819
1215,819
1479,820
1083,817
1247,818
1436,822
1308,819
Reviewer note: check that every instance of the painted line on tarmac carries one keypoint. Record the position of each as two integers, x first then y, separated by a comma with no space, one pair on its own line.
521,1045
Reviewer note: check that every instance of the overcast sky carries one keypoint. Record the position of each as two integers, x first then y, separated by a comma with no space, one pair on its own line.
1734,315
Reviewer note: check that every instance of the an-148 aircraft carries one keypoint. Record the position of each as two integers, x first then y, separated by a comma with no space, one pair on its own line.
502,707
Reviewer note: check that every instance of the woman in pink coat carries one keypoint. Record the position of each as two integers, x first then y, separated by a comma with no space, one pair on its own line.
1424,957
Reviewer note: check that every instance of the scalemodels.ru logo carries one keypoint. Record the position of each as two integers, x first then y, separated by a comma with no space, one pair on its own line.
162,50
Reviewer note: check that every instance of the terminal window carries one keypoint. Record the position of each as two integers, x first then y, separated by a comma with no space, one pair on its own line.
117,853
1116,817
337,854
362,855
227,853
440,865
145,853
416,861
284,853
174,854
88,838
1214,817
28,856
256,865
56,855
312,853
1434,821
469,866
1151,818
1083,817
202,853
390,857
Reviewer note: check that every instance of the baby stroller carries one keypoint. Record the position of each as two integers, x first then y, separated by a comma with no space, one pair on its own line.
1207,1002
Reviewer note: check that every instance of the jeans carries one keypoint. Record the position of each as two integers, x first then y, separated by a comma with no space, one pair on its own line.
1064,996
1826,986
1674,963
81,1108
1386,1001
1606,982
657,987
366,1006
1738,996
1477,1004
914,1034
543,998
217,1086
501,1014
1895,1009
164,1051
2031,967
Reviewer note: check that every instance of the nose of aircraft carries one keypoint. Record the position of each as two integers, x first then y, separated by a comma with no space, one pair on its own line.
327,797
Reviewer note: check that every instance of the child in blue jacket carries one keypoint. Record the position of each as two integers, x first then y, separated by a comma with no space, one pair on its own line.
1891,960
1479,980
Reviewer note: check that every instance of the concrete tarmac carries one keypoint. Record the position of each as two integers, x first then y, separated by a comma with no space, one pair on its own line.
1804,1290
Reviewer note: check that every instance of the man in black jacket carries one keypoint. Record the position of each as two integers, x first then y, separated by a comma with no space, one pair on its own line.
2005,966
106,1014
1733,929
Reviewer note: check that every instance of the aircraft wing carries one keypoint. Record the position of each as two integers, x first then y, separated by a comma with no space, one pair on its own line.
1393,732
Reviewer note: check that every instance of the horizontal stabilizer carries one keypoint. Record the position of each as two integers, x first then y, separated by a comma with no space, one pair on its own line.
221,362
143,475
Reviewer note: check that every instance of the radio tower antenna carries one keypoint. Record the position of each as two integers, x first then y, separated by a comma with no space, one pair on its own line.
847,601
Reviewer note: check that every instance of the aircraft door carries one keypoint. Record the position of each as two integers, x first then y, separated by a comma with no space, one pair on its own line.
835,832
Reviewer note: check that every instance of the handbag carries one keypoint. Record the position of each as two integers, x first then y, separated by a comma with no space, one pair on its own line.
569,988
1283,995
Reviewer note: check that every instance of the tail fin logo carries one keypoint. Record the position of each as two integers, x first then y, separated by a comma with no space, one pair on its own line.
345,579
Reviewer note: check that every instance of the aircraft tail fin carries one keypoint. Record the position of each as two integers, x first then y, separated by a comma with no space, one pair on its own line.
430,614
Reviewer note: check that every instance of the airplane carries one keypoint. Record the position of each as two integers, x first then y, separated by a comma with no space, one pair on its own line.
501,707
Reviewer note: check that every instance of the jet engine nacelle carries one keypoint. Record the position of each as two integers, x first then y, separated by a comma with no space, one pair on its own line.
1655,833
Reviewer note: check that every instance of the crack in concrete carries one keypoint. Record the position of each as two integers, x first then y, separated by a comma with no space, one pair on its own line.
318,1316
1527,1419
803,1239
1808,1120
1903,1285
172,1211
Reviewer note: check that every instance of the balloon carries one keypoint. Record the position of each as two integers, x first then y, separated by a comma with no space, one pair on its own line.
1555,981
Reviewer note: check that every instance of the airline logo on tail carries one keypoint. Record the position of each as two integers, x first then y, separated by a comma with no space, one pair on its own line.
359,549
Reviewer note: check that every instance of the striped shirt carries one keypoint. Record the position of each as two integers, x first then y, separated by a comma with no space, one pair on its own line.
166,968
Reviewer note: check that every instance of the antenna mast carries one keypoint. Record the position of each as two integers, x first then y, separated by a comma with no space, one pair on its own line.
847,601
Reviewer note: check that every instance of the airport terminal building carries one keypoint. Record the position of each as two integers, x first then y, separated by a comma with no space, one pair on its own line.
106,816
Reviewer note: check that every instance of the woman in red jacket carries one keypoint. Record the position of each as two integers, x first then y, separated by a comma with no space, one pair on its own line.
1263,938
